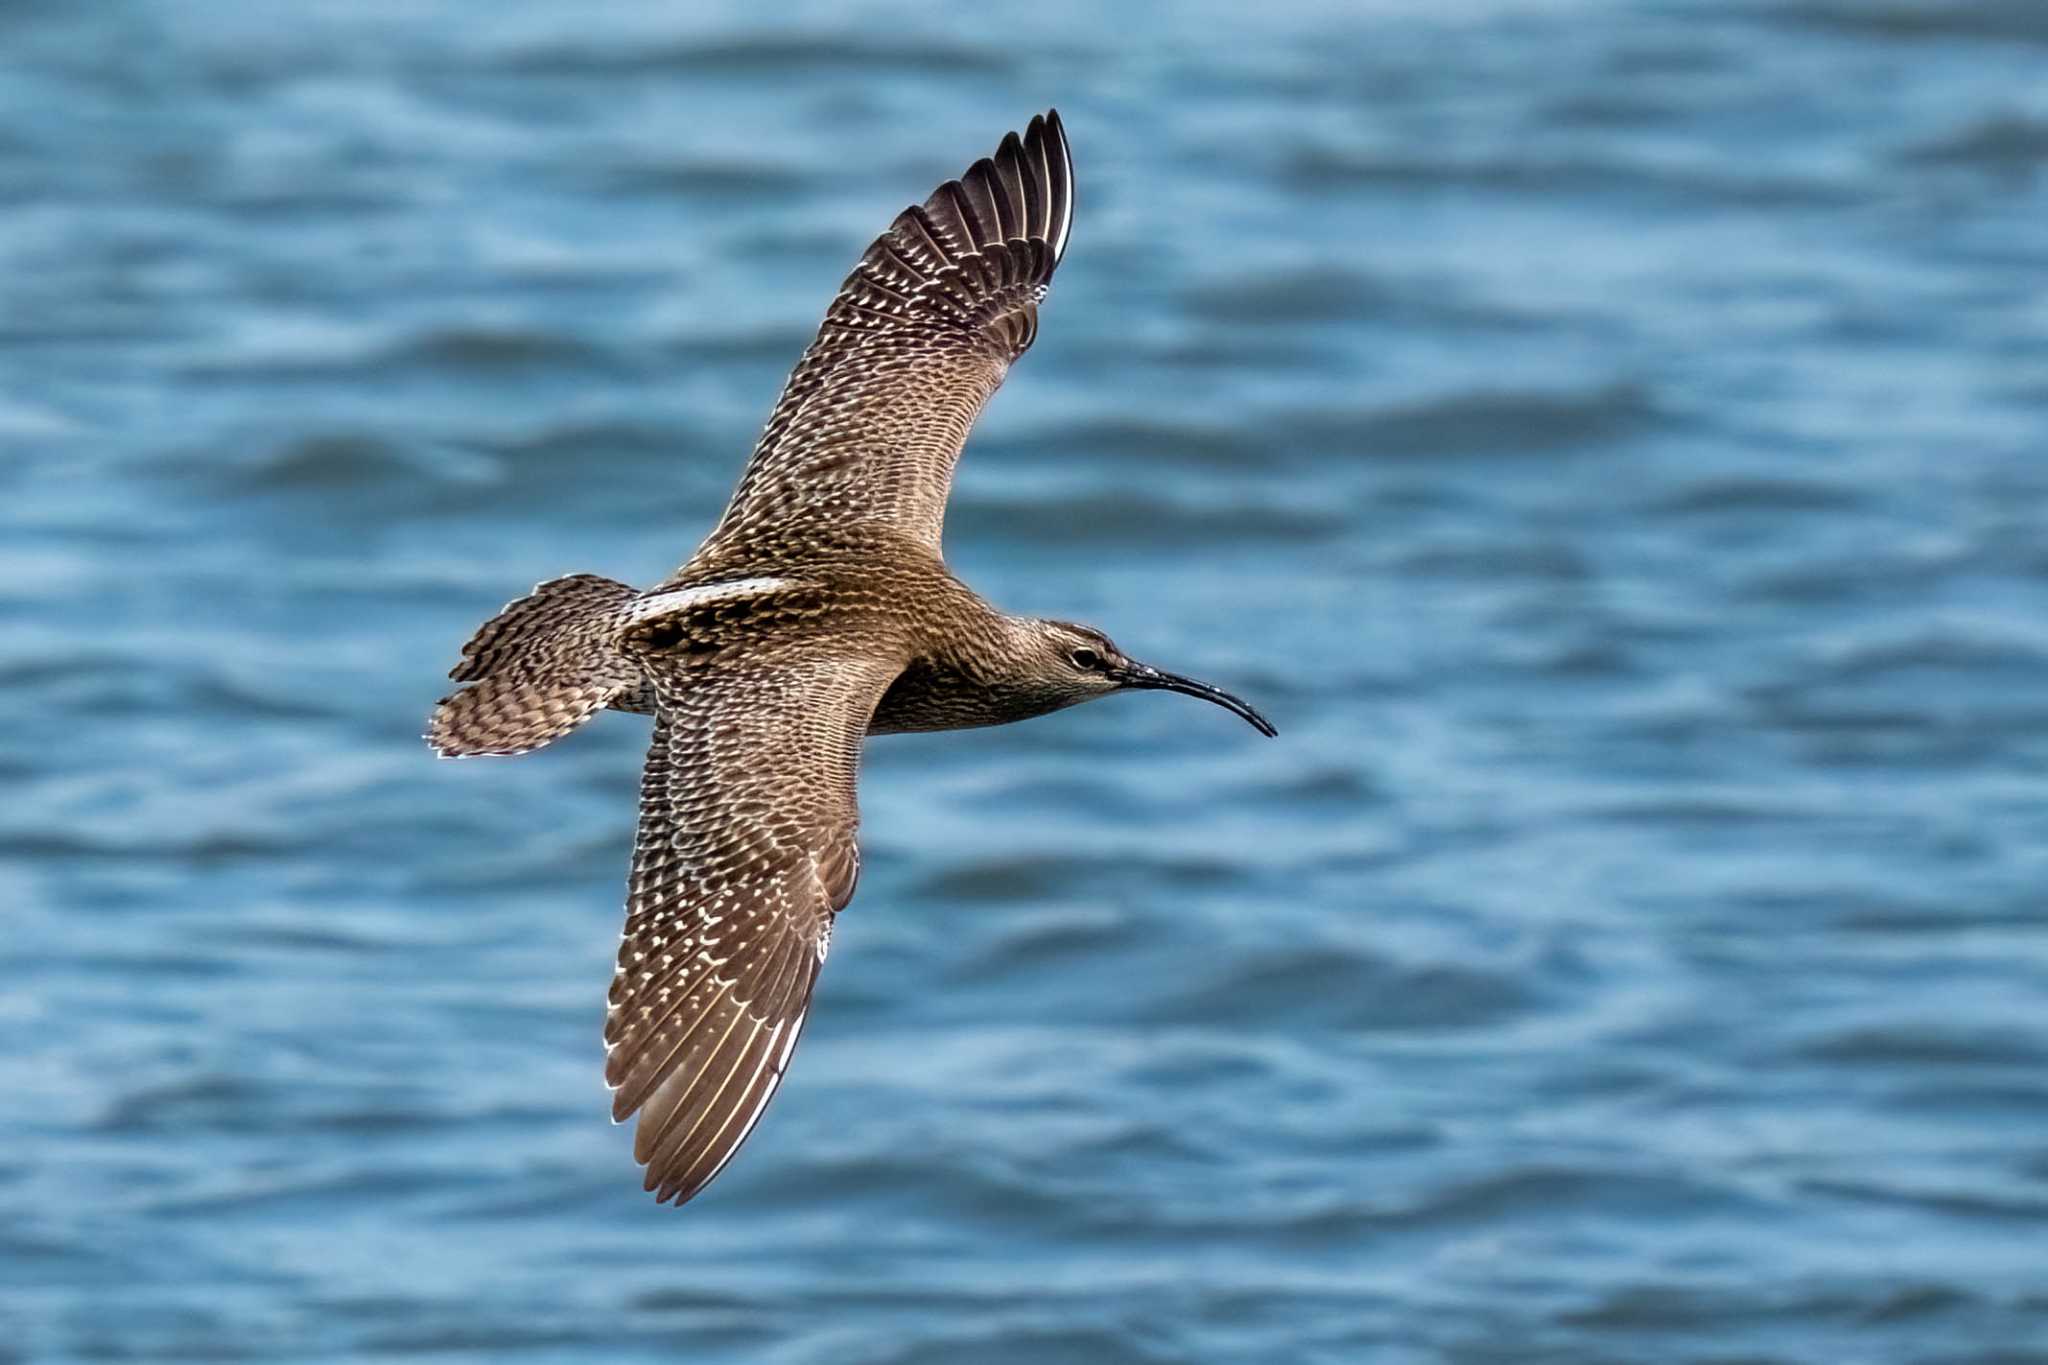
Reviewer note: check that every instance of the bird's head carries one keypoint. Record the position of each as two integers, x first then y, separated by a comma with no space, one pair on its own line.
1076,663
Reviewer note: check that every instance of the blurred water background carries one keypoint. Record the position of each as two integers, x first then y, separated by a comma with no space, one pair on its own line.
1605,437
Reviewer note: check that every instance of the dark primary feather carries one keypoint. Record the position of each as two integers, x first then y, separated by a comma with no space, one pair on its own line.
870,424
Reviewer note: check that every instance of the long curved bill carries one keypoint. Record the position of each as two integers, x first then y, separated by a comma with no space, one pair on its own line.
1147,678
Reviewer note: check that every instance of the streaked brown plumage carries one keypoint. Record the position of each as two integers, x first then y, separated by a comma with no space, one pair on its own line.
818,611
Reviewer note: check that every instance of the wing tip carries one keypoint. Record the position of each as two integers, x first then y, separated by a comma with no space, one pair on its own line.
1051,130
1023,192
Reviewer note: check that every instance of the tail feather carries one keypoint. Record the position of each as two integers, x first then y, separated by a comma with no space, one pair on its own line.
537,670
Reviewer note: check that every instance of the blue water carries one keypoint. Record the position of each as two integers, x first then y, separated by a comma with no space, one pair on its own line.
1606,438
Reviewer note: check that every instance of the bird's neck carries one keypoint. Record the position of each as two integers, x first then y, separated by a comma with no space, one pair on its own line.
974,675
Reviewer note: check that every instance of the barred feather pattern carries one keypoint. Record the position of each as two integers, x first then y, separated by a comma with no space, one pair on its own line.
871,422
536,670
746,850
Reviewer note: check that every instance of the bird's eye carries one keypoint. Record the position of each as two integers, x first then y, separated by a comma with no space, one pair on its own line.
1085,657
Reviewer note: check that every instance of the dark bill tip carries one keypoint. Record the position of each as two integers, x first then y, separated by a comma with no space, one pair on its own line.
1147,678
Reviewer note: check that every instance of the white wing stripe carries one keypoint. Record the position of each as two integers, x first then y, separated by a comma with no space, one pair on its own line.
1067,201
681,599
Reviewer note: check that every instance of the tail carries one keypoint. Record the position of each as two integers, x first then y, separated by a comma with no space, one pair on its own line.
537,670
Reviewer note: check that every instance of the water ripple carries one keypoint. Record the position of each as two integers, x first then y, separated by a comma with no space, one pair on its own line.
1606,443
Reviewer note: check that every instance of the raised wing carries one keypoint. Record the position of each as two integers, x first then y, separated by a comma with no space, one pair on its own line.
745,852
871,422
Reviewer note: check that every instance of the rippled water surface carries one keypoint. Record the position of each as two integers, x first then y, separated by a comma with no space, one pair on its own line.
1607,438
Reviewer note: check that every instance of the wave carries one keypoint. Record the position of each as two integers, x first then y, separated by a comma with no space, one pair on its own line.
1130,518
763,55
1912,20
1473,422
1307,168
1327,986
2006,143
1745,494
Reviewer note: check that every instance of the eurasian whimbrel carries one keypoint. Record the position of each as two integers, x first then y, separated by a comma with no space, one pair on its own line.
818,611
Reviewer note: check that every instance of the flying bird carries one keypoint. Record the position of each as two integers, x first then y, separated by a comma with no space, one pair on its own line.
818,611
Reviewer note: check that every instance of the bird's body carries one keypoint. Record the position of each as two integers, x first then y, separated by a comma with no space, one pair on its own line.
818,611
